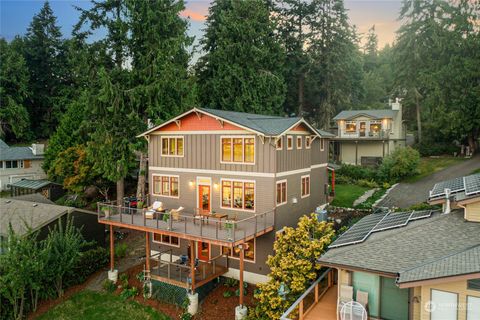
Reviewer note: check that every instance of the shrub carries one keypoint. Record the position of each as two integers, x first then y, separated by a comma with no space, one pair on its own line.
227,294
89,262
386,185
123,278
403,162
237,292
429,148
231,283
108,285
367,183
341,179
356,172
121,250
128,293
186,316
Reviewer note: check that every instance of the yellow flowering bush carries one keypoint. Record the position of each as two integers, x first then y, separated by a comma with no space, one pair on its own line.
294,265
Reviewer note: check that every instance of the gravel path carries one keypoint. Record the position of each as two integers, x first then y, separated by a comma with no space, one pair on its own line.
407,194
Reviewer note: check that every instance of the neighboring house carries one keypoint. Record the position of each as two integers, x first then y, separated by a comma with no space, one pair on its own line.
17,163
37,213
366,136
239,177
50,190
419,265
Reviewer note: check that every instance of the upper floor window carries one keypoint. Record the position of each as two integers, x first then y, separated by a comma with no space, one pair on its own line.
305,187
289,142
281,192
308,142
13,164
299,143
172,146
165,186
322,144
350,127
241,149
238,194
279,143
375,126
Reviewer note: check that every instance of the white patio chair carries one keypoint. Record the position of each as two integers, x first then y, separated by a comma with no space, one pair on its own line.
176,213
353,310
345,295
362,298
151,211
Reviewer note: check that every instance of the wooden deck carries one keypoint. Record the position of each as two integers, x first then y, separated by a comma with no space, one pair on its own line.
326,308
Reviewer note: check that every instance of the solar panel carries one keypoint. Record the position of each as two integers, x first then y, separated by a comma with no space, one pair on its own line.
472,184
359,231
420,214
454,185
393,220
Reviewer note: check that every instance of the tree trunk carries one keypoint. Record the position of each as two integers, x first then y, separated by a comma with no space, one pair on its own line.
419,120
141,178
471,142
301,93
120,191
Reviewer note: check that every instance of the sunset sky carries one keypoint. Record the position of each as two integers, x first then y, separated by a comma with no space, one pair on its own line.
15,16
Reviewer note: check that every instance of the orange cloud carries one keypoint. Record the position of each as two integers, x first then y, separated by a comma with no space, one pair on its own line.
193,15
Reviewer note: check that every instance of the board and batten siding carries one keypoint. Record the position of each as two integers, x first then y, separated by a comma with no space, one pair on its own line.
472,211
295,159
203,151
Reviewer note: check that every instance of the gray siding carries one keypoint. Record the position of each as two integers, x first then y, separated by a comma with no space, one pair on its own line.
203,151
296,159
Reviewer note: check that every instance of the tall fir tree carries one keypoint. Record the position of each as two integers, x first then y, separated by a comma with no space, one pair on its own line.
44,55
242,66
14,117
370,50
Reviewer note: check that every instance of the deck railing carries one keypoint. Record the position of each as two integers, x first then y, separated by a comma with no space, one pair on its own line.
310,297
204,226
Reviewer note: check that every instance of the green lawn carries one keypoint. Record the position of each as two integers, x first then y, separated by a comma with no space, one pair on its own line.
346,194
475,171
89,305
428,165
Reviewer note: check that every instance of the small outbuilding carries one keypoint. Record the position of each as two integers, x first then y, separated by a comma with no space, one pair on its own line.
48,189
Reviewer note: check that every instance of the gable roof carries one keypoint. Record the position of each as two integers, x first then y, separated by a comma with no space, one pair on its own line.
265,125
20,214
376,114
16,153
32,184
423,249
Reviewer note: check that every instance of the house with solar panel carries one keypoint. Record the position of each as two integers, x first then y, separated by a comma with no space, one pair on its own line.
365,137
420,265
17,163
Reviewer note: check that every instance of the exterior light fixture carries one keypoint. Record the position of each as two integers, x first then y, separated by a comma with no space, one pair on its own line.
191,183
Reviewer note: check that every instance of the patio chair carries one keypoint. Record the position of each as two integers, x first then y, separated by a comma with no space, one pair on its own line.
151,211
345,296
362,298
353,310
176,213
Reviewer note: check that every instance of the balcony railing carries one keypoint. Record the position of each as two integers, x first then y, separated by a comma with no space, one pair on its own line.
206,226
382,134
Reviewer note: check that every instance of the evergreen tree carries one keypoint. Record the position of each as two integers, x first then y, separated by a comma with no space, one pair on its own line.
14,118
242,66
44,55
370,50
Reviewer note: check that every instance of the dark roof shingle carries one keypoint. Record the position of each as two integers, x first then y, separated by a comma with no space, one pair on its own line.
377,114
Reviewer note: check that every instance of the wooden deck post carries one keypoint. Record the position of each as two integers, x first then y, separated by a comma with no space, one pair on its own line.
300,310
147,251
192,264
241,273
112,249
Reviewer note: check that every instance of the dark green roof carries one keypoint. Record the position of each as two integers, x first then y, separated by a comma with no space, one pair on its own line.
423,249
16,153
376,114
31,184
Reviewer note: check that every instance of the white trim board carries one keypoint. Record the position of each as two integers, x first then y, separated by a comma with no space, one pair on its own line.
250,277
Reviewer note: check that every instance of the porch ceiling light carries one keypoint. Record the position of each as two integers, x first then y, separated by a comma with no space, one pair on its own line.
191,183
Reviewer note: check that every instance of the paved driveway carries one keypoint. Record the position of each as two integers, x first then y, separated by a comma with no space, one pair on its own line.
407,194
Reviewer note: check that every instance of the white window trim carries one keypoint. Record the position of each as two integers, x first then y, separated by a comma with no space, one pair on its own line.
310,142
286,192
169,176
243,181
168,147
291,139
299,138
164,243
281,143
231,256
243,149
322,144
353,132
301,186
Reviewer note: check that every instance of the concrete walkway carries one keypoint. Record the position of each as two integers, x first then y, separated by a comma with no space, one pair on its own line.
364,197
406,194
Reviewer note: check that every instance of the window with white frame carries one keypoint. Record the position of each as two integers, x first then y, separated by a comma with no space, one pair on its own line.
279,143
166,240
238,149
322,144
13,164
166,186
237,194
351,127
299,142
281,192
375,126
289,142
172,146
308,142
305,187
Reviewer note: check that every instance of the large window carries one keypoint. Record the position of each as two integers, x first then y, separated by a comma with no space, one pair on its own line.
281,192
165,186
167,240
305,187
248,252
238,194
172,146
241,150
289,142
375,126
351,127
13,164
